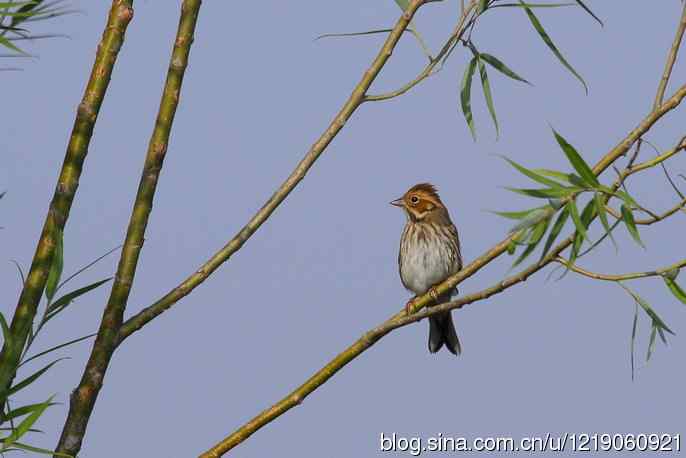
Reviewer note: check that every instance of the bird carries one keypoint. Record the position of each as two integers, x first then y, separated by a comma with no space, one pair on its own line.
429,253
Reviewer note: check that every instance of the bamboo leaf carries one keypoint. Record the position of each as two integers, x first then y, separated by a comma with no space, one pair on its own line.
582,5
651,344
537,234
554,174
540,178
530,220
581,167
23,410
30,379
602,214
6,334
517,214
501,67
466,95
533,5
483,4
56,266
42,451
488,95
549,42
647,308
628,219
574,213
61,303
555,231
57,347
26,424
633,339
586,217
546,193
675,289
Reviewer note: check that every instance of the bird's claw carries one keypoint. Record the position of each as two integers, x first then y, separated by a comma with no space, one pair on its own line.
409,305
434,294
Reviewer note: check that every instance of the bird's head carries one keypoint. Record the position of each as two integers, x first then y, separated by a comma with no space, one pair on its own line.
421,202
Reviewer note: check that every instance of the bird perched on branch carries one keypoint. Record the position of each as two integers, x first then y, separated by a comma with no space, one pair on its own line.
429,253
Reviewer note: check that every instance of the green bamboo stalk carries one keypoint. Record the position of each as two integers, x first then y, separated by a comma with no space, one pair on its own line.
84,397
357,97
112,40
402,319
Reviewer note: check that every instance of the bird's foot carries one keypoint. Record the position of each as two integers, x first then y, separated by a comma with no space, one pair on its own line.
434,294
409,305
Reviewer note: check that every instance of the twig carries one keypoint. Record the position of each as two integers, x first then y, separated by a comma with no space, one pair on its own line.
83,398
400,319
622,277
112,40
671,58
136,322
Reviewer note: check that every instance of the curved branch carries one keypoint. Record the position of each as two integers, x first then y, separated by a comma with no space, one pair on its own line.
112,40
84,396
671,58
621,277
401,319
139,320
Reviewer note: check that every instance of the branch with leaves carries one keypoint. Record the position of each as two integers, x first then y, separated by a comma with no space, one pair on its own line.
46,261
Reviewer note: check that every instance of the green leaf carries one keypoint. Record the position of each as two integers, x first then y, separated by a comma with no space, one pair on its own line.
537,234
501,67
23,410
586,217
57,347
549,42
533,5
628,219
483,4
651,344
602,214
581,167
518,214
403,4
633,340
29,380
488,95
647,308
555,231
61,303
530,220
555,174
675,289
8,44
26,424
540,178
574,212
56,266
6,334
466,95
546,193
42,451
581,4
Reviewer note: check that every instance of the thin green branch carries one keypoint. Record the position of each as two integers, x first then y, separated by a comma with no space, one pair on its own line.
85,395
671,58
139,320
419,310
112,40
619,277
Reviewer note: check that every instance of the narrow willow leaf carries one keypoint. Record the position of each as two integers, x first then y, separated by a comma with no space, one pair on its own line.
555,231
577,161
8,44
574,213
555,174
587,216
647,308
540,178
633,340
530,220
65,300
537,234
581,4
56,267
486,86
30,379
6,335
501,67
549,42
518,214
627,198
628,219
466,95
87,266
675,289
57,347
549,193
42,451
662,335
26,424
23,410
651,344
602,215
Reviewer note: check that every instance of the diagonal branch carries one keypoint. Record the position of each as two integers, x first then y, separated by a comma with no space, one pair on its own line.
620,277
84,397
139,320
112,40
671,58
401,319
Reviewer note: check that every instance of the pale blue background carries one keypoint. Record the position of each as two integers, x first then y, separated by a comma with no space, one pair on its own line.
544,357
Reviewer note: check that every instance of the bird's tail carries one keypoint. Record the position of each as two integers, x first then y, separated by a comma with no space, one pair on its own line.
442,331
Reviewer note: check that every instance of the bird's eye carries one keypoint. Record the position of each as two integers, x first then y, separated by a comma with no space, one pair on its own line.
414,199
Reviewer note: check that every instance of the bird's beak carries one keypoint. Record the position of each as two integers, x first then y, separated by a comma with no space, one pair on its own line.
398,202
